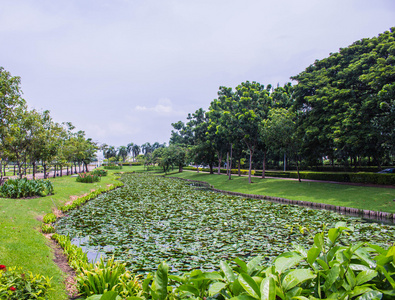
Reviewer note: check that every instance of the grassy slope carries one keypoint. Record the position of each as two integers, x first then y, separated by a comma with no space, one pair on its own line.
22,244
371,198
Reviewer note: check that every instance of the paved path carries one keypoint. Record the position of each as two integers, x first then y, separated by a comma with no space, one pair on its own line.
51,173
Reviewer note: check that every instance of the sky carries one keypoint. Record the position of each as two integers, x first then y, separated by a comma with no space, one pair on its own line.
124,70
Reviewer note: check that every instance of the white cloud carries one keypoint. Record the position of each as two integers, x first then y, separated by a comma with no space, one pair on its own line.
163,107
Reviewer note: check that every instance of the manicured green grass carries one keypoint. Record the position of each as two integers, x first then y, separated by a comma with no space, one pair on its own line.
21,242
370,198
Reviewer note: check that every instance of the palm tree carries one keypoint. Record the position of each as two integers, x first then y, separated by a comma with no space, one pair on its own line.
135,150
123,152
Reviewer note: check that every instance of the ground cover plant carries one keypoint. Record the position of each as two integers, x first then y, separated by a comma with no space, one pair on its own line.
88,177
17,284
21,240
361,197
154,219
21,188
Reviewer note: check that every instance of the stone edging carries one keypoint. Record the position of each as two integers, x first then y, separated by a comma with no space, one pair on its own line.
371,214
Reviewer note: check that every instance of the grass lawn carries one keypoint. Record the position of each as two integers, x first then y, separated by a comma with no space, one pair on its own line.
370,198
21,242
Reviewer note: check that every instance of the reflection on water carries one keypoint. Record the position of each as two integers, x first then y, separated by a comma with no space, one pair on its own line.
93,253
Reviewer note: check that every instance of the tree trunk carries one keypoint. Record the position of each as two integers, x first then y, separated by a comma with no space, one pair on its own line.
264,164
230,162
34,170
1,172
227,163
239,173
250,167
285,161
219,162
45,171
197,168
61,171
14,169
211,168
297,169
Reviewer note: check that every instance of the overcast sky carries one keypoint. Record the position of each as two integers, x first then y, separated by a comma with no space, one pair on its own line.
124,70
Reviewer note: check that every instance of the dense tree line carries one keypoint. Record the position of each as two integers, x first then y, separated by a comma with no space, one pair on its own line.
29,137
342,109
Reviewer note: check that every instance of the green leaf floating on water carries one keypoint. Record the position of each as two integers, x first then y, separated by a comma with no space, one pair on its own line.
154,219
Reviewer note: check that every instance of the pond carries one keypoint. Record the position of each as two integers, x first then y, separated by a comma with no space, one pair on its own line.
154,219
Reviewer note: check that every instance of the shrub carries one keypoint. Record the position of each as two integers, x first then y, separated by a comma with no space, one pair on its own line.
21,188
49,218
47,228
88,178
99,172
19,285
108,275
113,167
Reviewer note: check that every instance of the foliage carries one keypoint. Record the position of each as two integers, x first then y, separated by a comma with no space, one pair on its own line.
81,200
152,219
99,277
109,275
327,270
88,177
360,177
99,172
47,228
345,101
17,284
49,218
76,257
113,167
21,188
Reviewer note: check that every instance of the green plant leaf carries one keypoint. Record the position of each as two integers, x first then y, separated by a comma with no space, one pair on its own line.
249,285
253,264
365,276
286,261
216,288
230,276
296,277
331,277
319,240
110,295
268,289
160,281
371,295
189,288
312,254
333,233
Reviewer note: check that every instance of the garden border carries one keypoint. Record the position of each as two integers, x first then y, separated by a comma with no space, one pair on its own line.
354,212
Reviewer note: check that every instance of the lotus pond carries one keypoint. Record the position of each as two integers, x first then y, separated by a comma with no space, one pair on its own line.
154,219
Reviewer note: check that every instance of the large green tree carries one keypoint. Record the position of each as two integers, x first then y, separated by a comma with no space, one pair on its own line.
345,101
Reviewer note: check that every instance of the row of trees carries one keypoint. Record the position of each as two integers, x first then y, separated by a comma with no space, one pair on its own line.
343,109
29,137
122,152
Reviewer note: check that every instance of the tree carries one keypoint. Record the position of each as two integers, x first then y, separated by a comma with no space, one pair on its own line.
136,151
279,133
250,105
338,99
123,152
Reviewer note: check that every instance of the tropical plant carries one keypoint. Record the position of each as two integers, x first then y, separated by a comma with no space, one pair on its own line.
21,188
99,172
192,228
47,228
49,218
328,270
88,177
17,284
109,275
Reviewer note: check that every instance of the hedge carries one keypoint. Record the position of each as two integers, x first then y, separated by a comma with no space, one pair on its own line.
360,177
